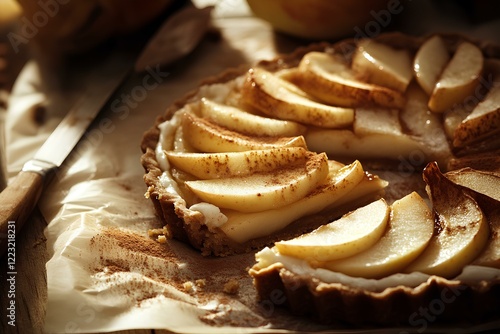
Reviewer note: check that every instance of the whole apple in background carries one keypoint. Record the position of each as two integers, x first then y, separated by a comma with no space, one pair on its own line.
9,10
72,26
326,19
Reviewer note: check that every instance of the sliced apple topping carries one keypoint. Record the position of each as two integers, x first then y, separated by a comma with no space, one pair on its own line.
346,143
280,99
429,62
425,126
382,65
263,191
369,121
483,122
459,79
351,234
483,182
462,231
484,188
208,137
409,230
231,164
344,184
330,79
452,119
244,122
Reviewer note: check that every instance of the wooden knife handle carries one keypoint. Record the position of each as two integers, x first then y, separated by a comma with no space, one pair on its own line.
17,201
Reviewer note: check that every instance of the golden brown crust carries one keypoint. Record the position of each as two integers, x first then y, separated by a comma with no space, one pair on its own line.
435,301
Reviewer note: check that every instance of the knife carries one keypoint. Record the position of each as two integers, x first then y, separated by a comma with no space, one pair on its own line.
18,200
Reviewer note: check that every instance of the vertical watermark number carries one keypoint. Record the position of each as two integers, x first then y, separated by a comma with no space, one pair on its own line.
11,273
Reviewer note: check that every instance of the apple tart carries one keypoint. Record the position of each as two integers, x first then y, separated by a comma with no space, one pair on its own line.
271,151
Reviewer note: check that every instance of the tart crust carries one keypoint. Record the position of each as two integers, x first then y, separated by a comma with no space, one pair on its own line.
438,300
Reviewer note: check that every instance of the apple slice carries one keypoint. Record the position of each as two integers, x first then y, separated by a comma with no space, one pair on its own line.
369,121
425,126
382,65
429,62
484,188
208,137
346,144
351,234
278,98
483,182
482,122
238,120
409,230
344,184
230,164
462,230
452,118
330,79
459,79
264,191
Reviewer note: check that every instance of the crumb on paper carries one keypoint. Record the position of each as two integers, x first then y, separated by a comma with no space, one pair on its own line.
200,283
161,239
232,286
189,286
192,287
159,234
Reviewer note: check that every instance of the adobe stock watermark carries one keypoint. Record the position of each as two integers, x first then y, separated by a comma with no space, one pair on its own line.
11,273
29,27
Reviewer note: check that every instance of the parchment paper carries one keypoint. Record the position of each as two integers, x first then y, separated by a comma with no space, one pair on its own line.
105,273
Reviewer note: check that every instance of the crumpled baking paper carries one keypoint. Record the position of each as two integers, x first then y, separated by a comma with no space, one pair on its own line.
105,273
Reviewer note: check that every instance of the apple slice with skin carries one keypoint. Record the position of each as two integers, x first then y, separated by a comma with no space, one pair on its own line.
453,117
429,62
238,120
425,126
263,191
482,122
483,182
484,187
331,80
409,230
208,137
280,99
230,164
459,79
462,229
351,234
382,65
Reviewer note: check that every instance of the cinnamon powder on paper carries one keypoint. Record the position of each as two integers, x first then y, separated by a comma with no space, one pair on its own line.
137,243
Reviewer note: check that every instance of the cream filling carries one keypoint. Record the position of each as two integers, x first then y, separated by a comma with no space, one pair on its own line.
270,256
